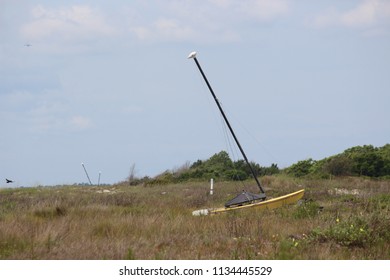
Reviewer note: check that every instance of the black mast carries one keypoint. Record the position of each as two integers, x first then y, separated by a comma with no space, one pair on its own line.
193,55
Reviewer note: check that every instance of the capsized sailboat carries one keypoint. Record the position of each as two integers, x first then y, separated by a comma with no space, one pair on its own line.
244,199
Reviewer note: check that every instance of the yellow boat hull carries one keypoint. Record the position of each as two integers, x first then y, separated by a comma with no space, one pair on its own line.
277,202
272,203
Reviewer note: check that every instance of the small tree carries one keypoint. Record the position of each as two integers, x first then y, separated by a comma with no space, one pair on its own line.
301,168
270,170
384,153
339,165
366,160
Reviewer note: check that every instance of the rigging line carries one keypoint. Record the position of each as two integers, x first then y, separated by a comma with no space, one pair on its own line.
228,140
222,128
233,152
217,116
264,148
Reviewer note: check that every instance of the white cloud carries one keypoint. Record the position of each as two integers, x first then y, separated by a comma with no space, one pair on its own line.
172,28
253,9
264,9
368,13
212,20
164,28
364,14
67,23
172,20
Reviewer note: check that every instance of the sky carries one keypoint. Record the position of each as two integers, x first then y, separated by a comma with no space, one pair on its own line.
108,84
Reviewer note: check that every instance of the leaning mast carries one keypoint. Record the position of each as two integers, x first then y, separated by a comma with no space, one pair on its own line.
248,197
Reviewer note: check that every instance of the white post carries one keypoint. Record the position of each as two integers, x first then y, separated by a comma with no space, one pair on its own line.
211,186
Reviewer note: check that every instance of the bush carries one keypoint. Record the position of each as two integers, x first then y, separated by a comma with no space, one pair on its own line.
358,161
218,166
301,168
339,165
369,161
354,232
236,175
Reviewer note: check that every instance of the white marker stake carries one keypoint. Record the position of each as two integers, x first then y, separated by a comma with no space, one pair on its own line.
211,186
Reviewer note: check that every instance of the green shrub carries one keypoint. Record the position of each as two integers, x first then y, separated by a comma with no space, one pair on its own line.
354,232
339,165
130,254
301,168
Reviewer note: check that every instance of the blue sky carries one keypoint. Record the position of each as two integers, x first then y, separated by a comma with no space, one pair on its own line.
108,83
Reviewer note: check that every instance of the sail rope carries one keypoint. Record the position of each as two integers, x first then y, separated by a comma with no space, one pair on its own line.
232,150
251,135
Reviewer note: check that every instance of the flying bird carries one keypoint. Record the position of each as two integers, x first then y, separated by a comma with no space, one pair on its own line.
8,181
27,45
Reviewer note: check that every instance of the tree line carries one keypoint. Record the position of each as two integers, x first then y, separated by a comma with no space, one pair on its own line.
364,160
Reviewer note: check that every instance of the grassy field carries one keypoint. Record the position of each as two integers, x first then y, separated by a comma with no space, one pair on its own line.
344,218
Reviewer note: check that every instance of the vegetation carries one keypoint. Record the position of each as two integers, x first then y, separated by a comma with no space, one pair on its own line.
219,166
345,214
357,161
343,218
365,160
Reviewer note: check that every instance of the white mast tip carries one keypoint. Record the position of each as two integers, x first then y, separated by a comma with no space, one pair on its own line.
192,55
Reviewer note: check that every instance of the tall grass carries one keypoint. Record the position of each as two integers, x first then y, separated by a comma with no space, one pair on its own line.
155,222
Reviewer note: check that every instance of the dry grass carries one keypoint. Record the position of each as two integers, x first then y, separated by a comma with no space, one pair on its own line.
122,222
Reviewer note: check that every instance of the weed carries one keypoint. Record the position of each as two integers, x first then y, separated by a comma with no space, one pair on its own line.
130,254
286,250
307,209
